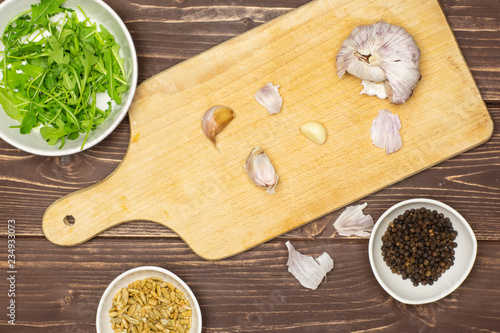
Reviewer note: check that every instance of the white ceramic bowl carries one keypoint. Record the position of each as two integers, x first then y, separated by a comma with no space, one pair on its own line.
403,290
103,324
101,13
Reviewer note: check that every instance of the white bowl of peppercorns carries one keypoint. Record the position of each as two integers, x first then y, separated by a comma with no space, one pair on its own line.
421,250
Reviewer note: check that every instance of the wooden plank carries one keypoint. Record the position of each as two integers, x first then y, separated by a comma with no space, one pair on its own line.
167,33
58,289
29,184
172,174
476,25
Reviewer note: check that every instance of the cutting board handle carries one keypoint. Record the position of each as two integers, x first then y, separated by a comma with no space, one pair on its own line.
81,215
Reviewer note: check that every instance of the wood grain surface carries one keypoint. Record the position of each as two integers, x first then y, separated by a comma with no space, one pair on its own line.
58,288
173,175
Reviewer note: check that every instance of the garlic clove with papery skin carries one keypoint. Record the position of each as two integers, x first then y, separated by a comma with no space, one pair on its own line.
260,170
215,120
270,98
382,53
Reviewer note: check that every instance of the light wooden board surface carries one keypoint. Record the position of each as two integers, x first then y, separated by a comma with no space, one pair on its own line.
173,175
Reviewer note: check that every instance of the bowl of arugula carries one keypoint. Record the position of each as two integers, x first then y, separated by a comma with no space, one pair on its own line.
68,74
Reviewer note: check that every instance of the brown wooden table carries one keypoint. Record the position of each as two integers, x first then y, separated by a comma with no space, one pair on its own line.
57,289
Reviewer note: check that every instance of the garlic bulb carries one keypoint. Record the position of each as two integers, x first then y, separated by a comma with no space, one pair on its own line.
269,97
385,131
260,170
307,270
352,221
215,120
381,53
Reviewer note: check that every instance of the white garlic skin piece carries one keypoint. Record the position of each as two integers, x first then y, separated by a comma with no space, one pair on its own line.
353,221
260,170
270,98
382,53
385,131
307,270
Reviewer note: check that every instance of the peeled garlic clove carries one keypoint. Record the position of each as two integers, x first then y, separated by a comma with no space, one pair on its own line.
375,89
314,131
385,131
269,97
382,53
215,120
353,221
260,170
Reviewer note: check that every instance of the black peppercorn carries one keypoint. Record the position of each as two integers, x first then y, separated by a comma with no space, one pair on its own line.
418,245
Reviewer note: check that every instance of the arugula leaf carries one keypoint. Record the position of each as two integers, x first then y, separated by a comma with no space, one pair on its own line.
44,9
115,49
91,120
52,134
56,54
39,63
10,104
32,70
104,33
16,79
17,28
29,121
51,79
68,82
88,60
108,60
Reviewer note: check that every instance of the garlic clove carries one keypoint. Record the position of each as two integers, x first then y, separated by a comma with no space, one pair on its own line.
382,53
260,170
314,131
270,98
385,131
402,81
215,120
375,89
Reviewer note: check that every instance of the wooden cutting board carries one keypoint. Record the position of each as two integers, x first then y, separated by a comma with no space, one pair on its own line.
172,174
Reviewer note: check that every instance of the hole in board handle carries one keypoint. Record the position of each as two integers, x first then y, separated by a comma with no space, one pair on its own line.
69,220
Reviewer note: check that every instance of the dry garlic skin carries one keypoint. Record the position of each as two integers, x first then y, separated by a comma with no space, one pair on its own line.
385,131
307,270
353,221
382,53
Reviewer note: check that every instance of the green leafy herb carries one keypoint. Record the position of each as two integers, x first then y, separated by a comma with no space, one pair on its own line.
54,67
44,9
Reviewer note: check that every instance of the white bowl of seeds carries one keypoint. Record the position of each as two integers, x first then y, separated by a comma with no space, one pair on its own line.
148,297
